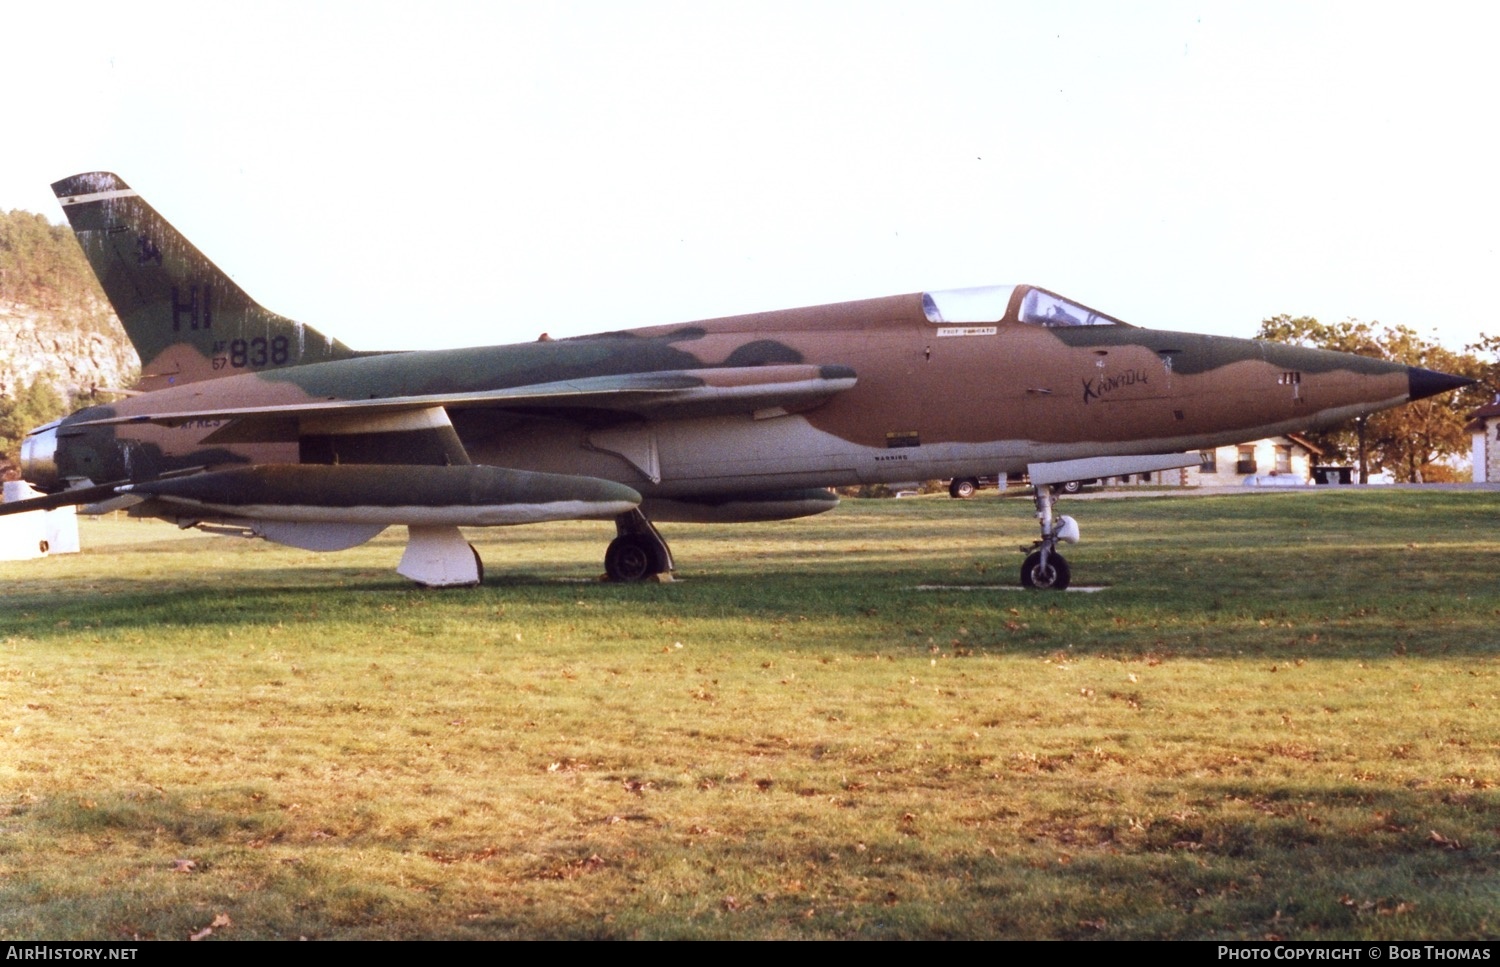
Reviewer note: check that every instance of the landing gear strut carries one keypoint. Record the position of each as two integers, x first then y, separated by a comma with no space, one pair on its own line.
1045,568
638,552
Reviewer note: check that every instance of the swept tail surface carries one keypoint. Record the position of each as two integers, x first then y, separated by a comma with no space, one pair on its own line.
187,319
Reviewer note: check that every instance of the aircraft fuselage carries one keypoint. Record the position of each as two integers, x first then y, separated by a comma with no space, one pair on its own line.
252,423
931,400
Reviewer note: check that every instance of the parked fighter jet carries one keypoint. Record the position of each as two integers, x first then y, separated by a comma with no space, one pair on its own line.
253,424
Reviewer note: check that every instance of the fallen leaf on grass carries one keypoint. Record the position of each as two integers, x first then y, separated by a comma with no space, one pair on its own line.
1382,908
221,920
1438,839
573,869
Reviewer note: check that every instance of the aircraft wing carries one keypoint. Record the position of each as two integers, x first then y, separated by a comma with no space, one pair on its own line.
764,391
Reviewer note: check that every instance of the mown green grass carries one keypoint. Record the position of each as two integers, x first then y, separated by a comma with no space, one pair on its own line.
1279,719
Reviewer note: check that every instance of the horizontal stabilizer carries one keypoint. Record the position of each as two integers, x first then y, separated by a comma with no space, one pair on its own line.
1093,468
66,498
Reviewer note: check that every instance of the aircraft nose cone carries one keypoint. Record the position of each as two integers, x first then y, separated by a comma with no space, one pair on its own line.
1426,382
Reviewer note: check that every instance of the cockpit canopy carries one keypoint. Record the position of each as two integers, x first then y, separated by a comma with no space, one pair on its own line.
1010,303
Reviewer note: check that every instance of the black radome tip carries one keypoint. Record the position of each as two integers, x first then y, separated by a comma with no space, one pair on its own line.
1426,382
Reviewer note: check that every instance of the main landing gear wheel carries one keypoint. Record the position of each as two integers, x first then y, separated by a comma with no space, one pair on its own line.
638,551
961,489
632,557
1052,576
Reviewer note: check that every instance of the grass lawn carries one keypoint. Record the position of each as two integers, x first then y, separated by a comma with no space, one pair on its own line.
1277,719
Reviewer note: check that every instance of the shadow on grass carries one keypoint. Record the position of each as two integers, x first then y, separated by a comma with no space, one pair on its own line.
1357,575
847,609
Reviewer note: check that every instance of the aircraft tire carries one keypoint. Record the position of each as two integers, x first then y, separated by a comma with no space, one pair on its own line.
1054,577
1072,487
961,489
631,558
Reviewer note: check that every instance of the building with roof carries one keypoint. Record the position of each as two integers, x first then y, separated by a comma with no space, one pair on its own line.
1283,456
1484,428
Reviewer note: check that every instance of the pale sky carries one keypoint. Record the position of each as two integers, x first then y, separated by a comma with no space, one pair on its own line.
403,176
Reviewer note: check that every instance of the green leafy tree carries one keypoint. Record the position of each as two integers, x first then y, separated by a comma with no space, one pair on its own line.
21,412
1487,349
41,265
1408,441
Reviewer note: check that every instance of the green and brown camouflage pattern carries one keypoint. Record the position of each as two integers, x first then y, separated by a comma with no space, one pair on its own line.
714,414
187,319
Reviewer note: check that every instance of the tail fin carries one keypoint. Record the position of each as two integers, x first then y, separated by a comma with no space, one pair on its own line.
187,319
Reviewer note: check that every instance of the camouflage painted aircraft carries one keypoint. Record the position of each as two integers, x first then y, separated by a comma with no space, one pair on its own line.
249,423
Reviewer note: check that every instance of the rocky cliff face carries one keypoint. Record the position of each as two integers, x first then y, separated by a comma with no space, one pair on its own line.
61,346
79,349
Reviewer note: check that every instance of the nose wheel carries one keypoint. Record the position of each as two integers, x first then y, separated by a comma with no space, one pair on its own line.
1048,573
1044,568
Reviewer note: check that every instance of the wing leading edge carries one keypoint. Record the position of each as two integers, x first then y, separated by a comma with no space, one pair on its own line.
762,391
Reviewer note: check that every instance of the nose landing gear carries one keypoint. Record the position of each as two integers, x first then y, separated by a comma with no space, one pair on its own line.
1044,567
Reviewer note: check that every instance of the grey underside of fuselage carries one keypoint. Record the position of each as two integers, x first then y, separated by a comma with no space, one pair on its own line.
728,455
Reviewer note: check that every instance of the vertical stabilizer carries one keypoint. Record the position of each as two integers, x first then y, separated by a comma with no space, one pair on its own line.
187,319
